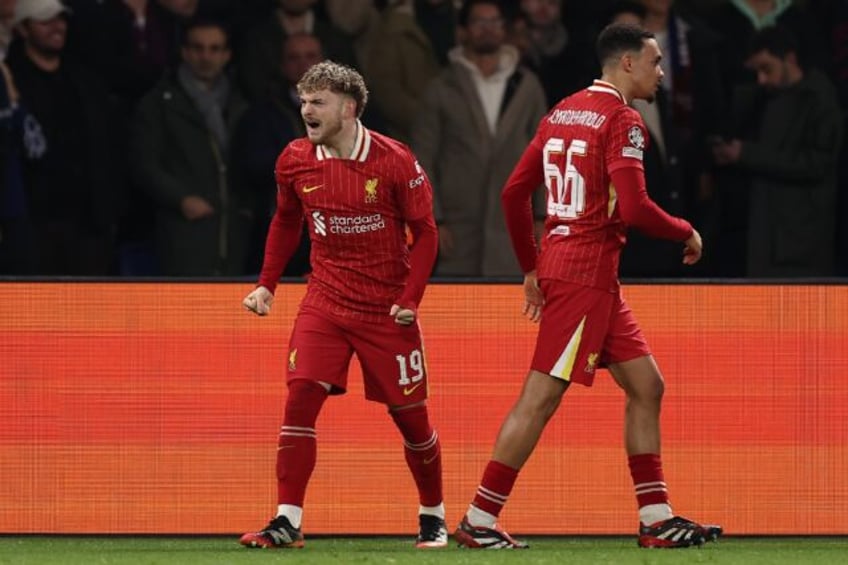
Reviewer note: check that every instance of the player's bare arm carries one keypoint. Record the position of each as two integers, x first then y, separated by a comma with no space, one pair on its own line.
259,301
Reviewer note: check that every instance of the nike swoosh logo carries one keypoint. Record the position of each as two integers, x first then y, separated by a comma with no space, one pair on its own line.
409,390
430,460
308,189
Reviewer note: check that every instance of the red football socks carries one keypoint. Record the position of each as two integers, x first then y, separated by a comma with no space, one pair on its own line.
297,448
498,480
423,452
647,474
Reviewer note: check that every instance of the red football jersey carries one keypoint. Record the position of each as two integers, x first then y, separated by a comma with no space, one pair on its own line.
578,145
356,210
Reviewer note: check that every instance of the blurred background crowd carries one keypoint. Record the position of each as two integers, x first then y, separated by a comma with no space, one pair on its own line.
138,137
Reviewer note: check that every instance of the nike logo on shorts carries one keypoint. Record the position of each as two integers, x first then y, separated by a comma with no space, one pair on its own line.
409,390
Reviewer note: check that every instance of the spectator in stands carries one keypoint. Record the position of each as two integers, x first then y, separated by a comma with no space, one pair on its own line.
72,194
736,21
13,227
403,61
631,12
180,153
476,119
359,20
259,52
7,16
563,61
832,16
266,128
788,142
134,43
686,111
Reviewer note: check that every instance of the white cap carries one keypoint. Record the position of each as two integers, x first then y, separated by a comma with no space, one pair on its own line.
38,10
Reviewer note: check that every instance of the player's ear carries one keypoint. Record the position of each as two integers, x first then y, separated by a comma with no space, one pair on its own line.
350,106
626,61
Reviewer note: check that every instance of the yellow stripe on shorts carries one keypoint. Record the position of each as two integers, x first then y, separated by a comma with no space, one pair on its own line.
565,363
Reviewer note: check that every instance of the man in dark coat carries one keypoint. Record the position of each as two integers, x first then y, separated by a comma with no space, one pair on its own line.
71,198
786,151
180,151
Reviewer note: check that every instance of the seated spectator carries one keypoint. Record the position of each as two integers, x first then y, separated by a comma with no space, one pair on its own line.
180,154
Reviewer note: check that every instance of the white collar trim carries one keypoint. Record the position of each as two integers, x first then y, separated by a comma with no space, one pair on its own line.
609,88
361,147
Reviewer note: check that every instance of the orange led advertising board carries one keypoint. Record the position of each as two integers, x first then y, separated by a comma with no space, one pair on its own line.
155,408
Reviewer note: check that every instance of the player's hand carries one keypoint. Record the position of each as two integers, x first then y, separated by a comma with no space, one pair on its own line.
259,301
533,298
694,248
402,316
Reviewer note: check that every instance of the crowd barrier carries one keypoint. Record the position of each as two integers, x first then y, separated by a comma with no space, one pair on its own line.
155,407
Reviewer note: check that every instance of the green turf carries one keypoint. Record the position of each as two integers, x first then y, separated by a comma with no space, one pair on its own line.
390,551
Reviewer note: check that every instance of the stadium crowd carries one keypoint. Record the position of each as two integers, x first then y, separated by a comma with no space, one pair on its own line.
138,137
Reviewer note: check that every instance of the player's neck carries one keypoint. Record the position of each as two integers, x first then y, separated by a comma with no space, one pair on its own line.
341,145
619,85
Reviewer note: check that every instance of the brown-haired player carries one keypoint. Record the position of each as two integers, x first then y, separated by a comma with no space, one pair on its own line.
358,191
588,152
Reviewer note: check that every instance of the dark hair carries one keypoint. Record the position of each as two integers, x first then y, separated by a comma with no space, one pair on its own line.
627,7
465,10
202,23
616,39
777,40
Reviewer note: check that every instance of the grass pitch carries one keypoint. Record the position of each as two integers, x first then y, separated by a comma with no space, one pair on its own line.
90,550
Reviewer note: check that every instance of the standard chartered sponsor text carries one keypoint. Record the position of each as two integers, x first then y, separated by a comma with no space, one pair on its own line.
356,224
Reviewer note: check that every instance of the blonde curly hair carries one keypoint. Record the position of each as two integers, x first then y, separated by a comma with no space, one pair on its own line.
338,78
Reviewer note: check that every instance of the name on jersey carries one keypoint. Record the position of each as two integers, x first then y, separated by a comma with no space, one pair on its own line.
347,225
586,118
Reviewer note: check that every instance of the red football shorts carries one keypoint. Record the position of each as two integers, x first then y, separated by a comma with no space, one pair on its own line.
584,328
391,355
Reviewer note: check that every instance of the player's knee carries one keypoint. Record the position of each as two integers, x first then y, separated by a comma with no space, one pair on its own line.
650,391
540,405
304,402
